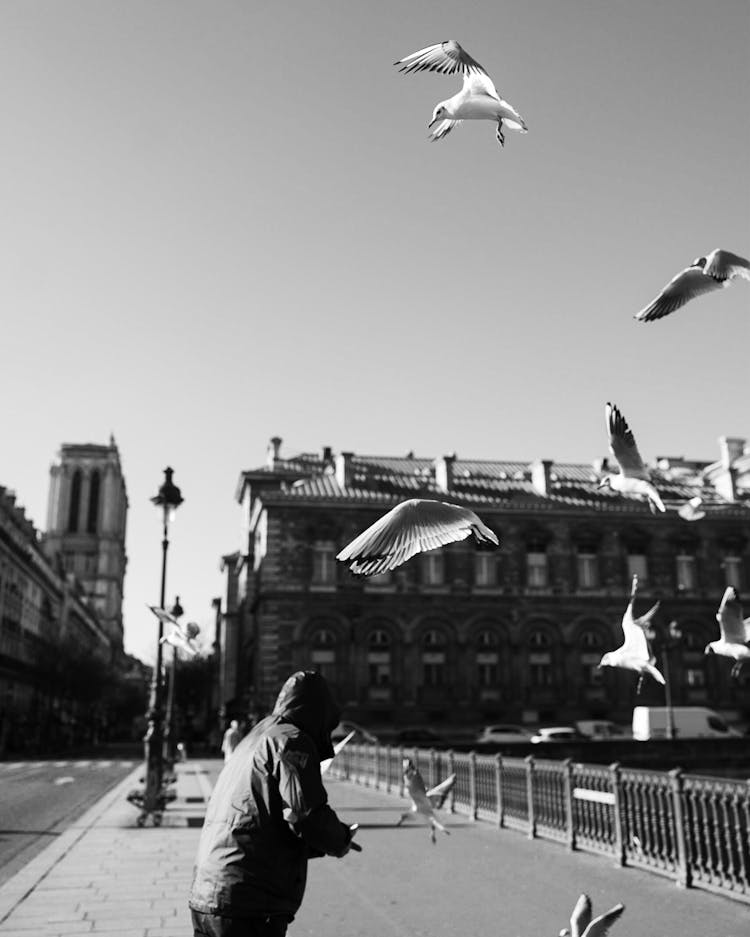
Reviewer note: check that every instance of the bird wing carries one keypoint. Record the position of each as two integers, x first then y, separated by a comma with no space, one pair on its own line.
688,284
326,764
417,792
724,265
600,926
447,57
746,625
164,616
636,642
443,129
729,616
622,444
581,916
437,795
411,527
179,640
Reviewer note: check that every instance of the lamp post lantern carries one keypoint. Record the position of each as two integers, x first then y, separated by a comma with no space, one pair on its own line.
168,499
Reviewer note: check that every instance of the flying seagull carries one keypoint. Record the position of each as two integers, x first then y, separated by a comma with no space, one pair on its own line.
326,764
704,275
412,527
691,510
423,802
581,924
634,653
634,478
183,638
478,98
735,632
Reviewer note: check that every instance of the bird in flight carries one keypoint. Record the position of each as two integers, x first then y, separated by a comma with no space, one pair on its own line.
424,803
634,653
634,478
183,638
412,527
692,510
478,98
581,924
704,275
735,631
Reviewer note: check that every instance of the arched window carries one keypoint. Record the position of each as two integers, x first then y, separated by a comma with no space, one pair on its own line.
433,658
75,502
590,639
379,658
488,675
93,511
323,653
540,660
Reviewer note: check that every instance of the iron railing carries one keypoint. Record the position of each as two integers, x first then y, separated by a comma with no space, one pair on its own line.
692,829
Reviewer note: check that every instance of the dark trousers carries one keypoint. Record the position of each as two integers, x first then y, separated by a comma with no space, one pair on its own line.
212,925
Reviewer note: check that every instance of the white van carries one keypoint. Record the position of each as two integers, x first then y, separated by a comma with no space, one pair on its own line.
688,722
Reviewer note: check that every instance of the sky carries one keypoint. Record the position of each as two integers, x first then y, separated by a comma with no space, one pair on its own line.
223,221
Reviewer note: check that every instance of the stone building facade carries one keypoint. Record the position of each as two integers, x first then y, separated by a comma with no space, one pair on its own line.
464,635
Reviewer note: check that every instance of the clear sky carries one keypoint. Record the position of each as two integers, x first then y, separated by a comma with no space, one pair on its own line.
222,221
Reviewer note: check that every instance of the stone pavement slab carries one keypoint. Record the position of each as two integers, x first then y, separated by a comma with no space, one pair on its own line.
111,877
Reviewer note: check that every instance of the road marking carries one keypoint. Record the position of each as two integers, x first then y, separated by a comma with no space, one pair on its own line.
104,764
65,780
60,764
81,764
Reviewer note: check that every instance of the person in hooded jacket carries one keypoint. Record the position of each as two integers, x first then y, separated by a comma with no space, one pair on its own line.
267,815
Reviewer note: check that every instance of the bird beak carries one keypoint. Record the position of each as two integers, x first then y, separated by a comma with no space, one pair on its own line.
433,121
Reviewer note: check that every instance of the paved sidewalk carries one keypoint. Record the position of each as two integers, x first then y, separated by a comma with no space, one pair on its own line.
106,876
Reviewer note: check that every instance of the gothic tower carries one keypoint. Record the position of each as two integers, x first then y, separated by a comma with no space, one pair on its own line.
86,517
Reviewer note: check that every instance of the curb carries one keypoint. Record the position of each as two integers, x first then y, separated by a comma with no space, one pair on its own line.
20,885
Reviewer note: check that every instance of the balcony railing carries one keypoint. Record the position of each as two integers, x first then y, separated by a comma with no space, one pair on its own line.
694,830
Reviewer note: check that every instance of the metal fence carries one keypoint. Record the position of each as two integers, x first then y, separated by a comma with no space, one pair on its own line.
695,830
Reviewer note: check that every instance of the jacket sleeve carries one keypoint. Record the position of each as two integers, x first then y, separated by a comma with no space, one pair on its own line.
306,802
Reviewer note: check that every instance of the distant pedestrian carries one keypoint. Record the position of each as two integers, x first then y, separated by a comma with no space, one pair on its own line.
231,740
268,815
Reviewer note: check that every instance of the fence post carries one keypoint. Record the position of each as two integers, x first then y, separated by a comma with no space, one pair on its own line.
433,772
376,756
500,806
452,770
615,782
684,876
570,832
473,785
529,759
401,786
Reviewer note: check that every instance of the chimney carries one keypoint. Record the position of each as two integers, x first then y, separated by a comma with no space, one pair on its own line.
344,469
540,472
444,472
272,452
731,448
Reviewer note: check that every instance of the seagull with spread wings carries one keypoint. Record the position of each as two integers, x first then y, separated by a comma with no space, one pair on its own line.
581,924
478,98
634,479
184,638
735,631
412,527
704,275
634,653
423,802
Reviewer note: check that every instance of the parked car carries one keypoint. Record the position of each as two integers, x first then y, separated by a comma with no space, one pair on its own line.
602,729
417,735
557,734
503,733
361,735
688,722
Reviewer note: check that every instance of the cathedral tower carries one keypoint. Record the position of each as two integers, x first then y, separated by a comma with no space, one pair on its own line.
86,517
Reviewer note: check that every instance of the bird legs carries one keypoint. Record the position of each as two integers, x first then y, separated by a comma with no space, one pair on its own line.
640,685
499,133
434,825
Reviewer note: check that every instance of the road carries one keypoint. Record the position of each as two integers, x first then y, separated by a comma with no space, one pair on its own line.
40,799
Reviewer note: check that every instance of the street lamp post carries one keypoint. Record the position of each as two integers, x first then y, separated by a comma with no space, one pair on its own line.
168,499
177,611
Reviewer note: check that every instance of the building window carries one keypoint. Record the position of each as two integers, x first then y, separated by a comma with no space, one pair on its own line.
540,660
75,502
685,566
588,571
432,568
485,569
591,643
433,659
695,677
324,563
93,509
536,570
379,658
323,653
733,571
638,566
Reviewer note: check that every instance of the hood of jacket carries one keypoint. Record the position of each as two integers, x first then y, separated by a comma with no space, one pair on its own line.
306,701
